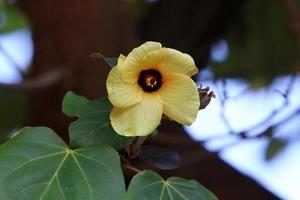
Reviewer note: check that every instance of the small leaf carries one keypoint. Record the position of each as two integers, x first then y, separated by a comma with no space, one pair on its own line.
112,62
274,147
160,157
37,164
93,125
73,104
148,185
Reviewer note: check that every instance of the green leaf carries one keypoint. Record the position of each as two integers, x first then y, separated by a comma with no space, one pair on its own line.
274,147
148,185
112,62
93,125
37,164
73,104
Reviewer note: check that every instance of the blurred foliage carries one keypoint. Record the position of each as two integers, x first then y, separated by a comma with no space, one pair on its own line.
138,8
12,110
274,147
261,48
12,104
11,18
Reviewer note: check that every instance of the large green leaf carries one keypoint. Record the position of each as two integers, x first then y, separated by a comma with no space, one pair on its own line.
37,164
148,185
93,125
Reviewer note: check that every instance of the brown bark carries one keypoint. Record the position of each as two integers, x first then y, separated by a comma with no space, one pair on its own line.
65,32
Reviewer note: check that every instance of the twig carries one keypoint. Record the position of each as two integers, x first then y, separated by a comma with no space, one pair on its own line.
134,150
130,167
294,28
240,94
223,99
245,133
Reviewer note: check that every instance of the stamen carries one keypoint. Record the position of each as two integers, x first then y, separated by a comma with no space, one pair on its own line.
150,80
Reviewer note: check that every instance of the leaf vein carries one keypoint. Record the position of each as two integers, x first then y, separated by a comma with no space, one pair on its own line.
54,175
180,194
31,160
83,174
143,188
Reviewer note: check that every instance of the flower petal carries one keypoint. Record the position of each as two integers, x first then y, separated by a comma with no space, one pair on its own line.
139,52
171,61
132,66
122,94
180,98
121,59
138,120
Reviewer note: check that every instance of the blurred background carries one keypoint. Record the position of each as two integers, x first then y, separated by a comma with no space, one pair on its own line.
244,145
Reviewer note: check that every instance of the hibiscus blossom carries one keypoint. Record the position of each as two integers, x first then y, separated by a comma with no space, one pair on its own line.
149,82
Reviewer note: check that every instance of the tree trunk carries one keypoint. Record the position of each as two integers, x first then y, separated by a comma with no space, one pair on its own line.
65,32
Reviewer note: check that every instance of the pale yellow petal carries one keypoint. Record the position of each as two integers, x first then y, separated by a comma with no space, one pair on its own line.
168,60
121,94
180,98
132,66
179,62
121,59
156,58
139,52
138,120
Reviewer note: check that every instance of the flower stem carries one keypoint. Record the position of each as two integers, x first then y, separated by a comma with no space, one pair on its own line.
131,168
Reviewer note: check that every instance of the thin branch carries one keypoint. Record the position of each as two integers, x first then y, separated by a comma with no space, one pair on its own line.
37,83
267,133
245,133
240,94
294,28
223,99
130,167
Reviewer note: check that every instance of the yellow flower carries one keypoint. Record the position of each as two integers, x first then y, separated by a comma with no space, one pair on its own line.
149,82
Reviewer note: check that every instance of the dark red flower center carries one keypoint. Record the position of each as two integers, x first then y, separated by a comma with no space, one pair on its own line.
150,80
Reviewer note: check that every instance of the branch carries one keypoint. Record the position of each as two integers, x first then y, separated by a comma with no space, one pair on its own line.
37,83
268,132
130,167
